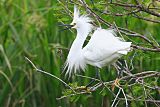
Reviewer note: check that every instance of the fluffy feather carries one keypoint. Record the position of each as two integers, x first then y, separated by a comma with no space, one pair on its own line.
104,47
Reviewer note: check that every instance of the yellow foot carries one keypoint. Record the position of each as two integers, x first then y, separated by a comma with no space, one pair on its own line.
116,83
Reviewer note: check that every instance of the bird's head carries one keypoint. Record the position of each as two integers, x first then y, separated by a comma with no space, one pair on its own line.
81,22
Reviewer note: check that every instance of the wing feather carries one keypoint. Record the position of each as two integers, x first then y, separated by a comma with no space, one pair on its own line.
104,44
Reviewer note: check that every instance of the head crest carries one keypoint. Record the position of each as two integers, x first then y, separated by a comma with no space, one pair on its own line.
76,12
78,17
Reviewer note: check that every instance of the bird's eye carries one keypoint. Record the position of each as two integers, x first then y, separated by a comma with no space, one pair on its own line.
74,24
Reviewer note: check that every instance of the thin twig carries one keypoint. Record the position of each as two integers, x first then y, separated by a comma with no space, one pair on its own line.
147,100
116,98
88,77
39,70
147,19
141,75
72,95
123,94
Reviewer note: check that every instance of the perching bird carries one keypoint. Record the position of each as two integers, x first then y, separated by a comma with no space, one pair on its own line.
104,47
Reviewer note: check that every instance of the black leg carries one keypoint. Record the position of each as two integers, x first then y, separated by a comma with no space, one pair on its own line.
96,76
98,73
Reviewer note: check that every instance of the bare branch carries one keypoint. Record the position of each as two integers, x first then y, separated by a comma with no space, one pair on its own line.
124,5
141,75
39,70
116,98
146,49
147,19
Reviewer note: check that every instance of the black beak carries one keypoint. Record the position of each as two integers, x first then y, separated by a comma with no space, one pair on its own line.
66,25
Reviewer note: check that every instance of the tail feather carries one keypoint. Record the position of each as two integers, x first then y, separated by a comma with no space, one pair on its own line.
126,48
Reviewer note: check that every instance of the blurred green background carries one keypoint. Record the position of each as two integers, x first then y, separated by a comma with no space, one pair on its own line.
30,28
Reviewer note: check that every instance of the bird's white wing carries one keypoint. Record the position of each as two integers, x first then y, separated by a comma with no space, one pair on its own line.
104,44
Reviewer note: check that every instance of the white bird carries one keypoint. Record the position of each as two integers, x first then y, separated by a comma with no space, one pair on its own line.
103,48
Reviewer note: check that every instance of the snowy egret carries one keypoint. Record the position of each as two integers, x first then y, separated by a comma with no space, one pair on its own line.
104,47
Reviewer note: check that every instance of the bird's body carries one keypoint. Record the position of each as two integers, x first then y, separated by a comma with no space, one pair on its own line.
104,47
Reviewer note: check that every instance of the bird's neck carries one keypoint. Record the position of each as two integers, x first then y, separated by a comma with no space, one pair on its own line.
79,41
75,59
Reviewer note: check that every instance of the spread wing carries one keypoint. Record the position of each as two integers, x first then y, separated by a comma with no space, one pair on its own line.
104,44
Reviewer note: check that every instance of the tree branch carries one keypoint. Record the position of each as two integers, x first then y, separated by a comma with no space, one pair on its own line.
39,70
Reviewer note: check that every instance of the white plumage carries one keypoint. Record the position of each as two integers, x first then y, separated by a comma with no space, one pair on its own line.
104,47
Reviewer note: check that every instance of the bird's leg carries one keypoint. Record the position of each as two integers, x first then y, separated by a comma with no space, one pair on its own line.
96,76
